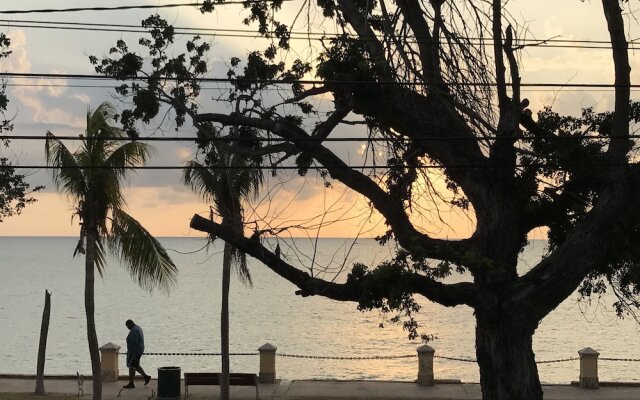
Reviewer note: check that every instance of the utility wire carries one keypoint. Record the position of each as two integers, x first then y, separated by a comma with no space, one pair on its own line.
293,167
196,30
246,33
117,8
227,139
19,75
205,88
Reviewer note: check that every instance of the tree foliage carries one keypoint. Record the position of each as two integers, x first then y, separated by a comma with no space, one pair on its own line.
14,189
437,85
92,176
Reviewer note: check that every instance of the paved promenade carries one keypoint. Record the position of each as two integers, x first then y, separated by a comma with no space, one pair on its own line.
317,390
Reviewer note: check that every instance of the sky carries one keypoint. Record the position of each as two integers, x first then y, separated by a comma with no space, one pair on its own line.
157,199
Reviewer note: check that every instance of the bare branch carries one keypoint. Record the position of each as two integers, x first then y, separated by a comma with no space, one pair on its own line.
447,295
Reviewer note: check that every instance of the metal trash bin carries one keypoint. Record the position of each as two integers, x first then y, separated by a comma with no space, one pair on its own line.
169,383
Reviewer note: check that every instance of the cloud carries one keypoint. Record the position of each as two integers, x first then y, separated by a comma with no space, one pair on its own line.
38,95
18,60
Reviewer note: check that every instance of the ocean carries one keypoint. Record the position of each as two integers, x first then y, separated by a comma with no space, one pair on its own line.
187,319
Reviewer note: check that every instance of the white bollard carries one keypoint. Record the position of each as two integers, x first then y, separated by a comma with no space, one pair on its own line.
267,363
109,362
589,368
425,365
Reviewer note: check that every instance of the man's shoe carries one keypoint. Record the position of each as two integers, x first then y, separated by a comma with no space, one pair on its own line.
129,386
147,379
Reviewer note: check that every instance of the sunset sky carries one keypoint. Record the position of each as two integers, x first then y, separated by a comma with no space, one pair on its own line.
157,199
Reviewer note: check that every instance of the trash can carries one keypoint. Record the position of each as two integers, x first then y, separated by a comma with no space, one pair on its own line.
168,383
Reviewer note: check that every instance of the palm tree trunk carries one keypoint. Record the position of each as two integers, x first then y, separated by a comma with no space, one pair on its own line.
224,322
89,306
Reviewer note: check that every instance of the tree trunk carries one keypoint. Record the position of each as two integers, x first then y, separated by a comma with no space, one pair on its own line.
89,306
224,322
42,347
505,356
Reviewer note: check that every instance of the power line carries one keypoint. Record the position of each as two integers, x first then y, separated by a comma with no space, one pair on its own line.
197,30
227,139
23,75
240,33
205,88
312,167
117,8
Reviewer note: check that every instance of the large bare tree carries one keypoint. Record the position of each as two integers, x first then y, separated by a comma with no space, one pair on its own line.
437,84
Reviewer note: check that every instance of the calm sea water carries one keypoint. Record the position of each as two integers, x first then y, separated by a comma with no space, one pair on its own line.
187,320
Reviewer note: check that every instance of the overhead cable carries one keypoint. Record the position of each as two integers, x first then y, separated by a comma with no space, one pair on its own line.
246,33
227,139
117,8
308,81
312,167
219,88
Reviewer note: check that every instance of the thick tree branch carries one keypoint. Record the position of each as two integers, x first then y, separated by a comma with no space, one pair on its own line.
503,151
447,295
556,277
503,99
314,91
360,24
390,208
409,64
620,145
324,129
513,66
428,45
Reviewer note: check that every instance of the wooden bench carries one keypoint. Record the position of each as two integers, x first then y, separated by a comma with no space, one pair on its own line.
213,378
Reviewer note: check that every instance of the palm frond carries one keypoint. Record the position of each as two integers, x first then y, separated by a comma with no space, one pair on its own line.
130,154
239,263
226,188
67,174
100,256
147,261
201,181
80,247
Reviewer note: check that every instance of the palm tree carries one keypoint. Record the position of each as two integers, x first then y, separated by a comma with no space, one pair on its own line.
92,177
226,181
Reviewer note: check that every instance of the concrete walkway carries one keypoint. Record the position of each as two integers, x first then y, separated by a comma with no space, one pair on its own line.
315,390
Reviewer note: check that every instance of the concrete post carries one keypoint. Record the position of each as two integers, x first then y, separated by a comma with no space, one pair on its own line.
267,363
589,368
109,362
425,365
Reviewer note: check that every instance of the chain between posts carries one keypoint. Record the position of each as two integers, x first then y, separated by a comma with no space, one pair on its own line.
347,357
558,361
355,358
195,354
469,360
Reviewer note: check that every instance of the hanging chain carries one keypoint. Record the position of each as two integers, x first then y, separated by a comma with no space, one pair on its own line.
355,358
80,384
347,357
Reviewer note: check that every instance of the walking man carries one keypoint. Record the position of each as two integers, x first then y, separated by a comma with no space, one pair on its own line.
135,349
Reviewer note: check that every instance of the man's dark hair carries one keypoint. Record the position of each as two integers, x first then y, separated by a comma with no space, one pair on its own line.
129,323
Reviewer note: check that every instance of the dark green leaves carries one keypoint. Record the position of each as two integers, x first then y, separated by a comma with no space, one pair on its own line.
14,190
386,288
